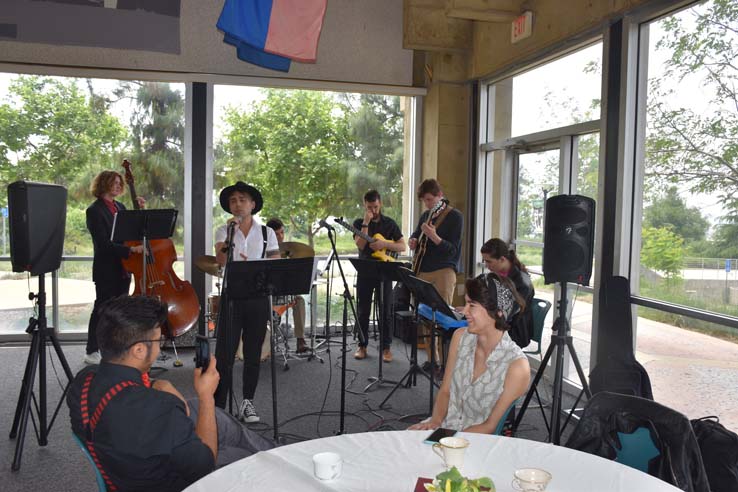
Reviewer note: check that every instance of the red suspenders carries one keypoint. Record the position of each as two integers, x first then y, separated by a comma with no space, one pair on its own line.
90,422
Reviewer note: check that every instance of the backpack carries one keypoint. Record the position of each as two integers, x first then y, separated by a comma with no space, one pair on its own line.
719,447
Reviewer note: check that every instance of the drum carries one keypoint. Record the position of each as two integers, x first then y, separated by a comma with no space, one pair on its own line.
283,300
213,307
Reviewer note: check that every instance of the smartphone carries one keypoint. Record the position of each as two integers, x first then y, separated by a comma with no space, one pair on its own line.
202,352
439,434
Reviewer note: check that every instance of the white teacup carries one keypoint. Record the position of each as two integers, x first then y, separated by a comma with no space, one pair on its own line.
327,466
531,480
451,450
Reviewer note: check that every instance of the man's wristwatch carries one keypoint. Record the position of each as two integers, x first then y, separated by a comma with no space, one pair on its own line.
364,225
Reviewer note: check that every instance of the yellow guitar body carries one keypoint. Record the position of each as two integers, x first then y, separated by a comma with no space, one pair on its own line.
383,254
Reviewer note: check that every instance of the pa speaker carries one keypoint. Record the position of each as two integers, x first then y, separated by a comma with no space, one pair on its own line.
38,215
568,239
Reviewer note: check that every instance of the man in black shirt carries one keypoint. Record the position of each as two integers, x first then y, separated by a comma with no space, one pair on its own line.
372,224
139,430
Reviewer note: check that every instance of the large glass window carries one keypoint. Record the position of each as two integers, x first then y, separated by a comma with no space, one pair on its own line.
312,154
65,130
689,227
560,93
554,144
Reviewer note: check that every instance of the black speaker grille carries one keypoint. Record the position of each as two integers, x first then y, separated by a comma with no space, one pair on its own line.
568,239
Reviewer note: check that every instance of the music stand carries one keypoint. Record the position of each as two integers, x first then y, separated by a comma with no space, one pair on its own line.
269,278
424,293
384,271
143,225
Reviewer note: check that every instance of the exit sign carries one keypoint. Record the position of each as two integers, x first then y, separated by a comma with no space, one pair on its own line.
522,27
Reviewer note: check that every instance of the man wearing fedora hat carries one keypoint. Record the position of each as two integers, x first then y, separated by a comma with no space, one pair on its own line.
251,241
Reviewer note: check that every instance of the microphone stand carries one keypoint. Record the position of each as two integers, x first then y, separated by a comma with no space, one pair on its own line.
226,303
347,301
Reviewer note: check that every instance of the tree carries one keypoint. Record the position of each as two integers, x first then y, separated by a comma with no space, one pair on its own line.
697,150
157,141
670,210
662,251
295,147
51,132
376,131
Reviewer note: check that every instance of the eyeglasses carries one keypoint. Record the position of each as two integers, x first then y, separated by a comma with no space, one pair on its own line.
160,341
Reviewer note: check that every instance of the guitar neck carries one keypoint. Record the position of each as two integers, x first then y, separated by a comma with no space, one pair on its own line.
362,235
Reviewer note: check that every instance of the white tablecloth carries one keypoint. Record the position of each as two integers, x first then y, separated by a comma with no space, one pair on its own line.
393,461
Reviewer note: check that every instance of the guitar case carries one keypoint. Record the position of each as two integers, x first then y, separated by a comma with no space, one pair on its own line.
618,370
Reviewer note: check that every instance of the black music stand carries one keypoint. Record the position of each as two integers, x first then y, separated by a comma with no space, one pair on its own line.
384,271
424,293
269,278
143,225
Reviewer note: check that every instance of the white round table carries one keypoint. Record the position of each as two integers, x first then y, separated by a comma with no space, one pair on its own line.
393,461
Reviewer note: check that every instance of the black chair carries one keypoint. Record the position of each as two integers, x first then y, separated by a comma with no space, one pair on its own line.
644,435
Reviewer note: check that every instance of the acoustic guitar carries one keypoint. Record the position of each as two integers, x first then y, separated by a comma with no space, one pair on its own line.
423,239
382,254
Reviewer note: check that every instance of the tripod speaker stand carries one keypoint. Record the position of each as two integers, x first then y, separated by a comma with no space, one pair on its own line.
560,340
40,334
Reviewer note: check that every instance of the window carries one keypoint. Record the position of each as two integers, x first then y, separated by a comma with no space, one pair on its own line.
552,147
65,130
313,154
687,239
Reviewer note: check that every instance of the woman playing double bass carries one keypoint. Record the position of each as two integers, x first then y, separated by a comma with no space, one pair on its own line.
111,279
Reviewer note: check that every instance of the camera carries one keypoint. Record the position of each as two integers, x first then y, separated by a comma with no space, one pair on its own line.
202,352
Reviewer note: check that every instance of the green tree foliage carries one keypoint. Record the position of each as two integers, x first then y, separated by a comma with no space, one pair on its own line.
376,128
724,241
670,210
51,131
314,154
157,142
698,150
295,146
662,251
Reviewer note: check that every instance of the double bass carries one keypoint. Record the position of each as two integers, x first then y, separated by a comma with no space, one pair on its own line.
162,282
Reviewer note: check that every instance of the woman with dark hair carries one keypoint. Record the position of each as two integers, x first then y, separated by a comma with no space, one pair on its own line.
502,260
485,372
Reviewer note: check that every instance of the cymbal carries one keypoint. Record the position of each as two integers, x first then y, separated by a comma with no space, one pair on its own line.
207,264
290,249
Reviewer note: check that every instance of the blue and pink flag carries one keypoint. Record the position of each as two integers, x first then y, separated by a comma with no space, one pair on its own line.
285,29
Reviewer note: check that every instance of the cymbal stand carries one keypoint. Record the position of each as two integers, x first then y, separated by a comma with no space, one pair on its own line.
313,300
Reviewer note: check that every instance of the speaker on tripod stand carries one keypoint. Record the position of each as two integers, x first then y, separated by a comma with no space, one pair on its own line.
567,257
37,214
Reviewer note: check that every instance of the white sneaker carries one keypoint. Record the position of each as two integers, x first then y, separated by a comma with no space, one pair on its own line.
93,358
247,412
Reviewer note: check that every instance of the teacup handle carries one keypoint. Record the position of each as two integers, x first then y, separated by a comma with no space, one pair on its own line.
436,447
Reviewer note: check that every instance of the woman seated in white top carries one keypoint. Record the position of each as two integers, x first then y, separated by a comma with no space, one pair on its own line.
485,371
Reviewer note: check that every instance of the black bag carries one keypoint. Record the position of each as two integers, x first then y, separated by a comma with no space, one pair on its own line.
401,296
719,448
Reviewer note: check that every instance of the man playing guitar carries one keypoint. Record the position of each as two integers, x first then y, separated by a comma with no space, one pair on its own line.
437,240
371,224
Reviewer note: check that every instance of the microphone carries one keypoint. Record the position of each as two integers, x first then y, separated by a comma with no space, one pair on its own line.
323,223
